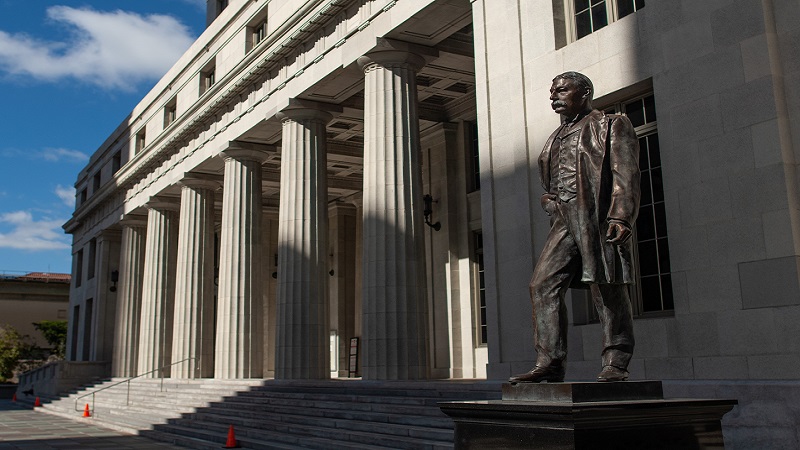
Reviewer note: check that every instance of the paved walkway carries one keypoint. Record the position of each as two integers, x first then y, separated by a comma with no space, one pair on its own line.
23,428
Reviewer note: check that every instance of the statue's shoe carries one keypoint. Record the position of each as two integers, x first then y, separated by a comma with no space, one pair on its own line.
540,373
611,373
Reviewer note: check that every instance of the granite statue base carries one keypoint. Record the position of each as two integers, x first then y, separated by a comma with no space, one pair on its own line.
621,415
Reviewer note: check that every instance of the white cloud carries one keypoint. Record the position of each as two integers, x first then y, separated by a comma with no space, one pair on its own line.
114,49
47,154
60,154
25,233
201,4
66,194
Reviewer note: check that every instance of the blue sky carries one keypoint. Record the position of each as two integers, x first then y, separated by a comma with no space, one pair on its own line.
70,72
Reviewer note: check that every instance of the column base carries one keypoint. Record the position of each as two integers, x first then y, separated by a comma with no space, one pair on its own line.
620,415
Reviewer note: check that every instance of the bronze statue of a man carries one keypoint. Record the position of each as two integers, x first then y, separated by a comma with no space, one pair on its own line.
590,172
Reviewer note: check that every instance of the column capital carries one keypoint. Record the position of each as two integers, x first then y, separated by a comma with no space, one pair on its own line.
133,221
161,204
247,151
298,110
389,52
191,181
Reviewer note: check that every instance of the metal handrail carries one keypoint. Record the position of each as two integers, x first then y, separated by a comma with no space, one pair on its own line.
128,395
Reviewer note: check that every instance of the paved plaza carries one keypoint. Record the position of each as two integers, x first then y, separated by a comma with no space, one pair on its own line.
23,428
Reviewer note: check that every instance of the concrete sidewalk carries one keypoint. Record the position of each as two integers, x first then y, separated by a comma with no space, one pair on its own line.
23,428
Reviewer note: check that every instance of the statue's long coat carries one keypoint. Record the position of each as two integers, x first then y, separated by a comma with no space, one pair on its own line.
608,187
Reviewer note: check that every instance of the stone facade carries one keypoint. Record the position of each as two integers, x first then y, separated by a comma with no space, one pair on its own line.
330,120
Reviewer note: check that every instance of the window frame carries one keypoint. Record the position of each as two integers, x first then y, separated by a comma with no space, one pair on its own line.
584,311
170,112
257,30
208,76
570,22
140,141
479,302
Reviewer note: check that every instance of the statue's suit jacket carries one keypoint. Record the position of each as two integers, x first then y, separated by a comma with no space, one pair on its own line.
608,187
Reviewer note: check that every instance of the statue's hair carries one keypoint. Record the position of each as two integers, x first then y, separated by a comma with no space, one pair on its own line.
580,79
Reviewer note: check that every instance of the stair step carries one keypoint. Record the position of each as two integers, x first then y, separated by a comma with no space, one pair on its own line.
277,414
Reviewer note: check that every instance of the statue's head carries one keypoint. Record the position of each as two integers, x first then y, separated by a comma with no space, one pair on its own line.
571,94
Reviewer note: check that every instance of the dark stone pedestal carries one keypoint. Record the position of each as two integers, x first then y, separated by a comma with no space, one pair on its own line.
624,415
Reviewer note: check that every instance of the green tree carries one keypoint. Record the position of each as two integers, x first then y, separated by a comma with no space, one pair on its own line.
13,347
55,333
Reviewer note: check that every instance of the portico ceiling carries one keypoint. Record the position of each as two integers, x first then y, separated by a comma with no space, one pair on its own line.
446,92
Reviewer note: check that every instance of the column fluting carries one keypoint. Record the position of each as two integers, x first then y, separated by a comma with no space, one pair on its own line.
129,299
395,318
239,330
303,343
158,288
193,335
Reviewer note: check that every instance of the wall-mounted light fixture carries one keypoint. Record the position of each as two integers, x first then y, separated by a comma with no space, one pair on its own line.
114,279
428,211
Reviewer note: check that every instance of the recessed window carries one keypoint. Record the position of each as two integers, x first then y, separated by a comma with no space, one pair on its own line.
260,32
170,112
92,259
257,29
584,17
82,196
116,162
473,158
479,283
208,76
652,294
79,268
140,142
96,180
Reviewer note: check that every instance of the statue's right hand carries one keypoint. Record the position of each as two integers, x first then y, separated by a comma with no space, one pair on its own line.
549,202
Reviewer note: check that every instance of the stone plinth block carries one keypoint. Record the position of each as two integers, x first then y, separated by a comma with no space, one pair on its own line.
625,415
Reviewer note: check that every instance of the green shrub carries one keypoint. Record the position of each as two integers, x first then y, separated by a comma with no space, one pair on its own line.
13,347
55,333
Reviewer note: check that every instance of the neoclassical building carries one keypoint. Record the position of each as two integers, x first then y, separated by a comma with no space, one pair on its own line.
334,188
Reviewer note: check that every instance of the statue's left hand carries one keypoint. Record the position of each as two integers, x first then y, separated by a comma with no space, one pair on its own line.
618,233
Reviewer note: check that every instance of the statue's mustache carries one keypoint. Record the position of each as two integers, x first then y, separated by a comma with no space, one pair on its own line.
558,103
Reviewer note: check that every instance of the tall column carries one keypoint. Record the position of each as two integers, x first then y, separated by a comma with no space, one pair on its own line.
395,315
106,299
303,345
158,288
129,306
193,336
239,335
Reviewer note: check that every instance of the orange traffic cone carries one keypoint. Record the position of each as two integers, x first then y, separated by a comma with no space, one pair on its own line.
14,397
231,439
86,411
37,402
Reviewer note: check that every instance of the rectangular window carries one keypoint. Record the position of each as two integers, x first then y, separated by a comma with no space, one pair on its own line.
87,330
82,197
78,268
473,163
92,259
140,142
170,112
73,348
96,181
259,32
584,17
116,162
652,294
208,76
256,29
479,288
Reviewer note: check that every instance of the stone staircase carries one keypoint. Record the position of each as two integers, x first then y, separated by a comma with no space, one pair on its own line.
147,404
281,414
